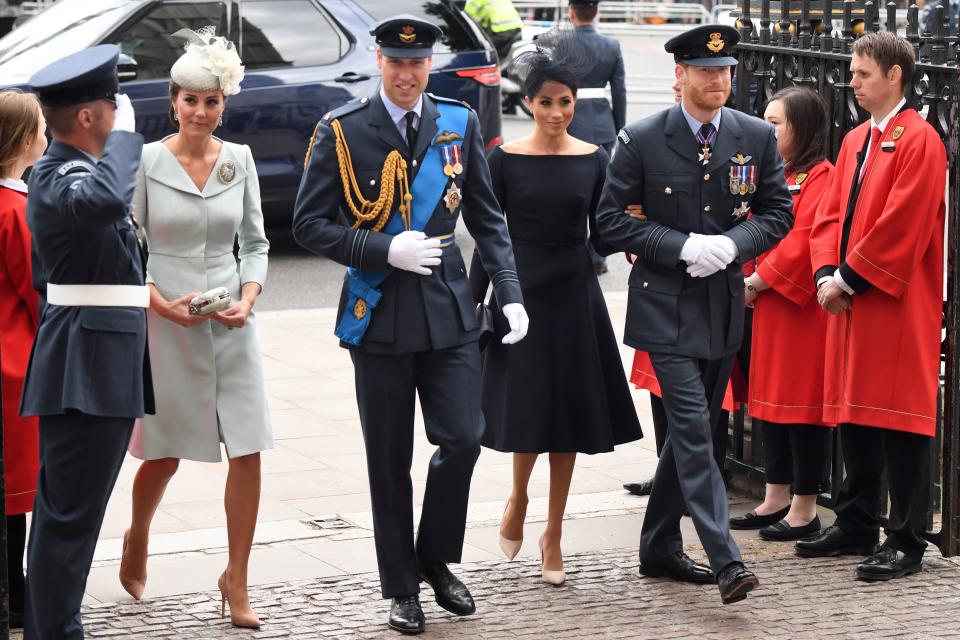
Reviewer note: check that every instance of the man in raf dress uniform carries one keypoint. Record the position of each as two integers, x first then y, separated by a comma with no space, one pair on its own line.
88,377
406,312
877,250
593,119
696,169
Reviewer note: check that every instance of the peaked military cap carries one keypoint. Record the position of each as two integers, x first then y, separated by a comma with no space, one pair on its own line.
84,76
406,36
709,45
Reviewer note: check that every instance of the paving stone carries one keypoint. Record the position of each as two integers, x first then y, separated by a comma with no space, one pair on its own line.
604,597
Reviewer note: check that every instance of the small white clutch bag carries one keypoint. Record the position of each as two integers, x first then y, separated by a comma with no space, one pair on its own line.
210,302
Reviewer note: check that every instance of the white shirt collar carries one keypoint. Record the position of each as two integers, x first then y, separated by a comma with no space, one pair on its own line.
695,124
14,183
397,113
890,116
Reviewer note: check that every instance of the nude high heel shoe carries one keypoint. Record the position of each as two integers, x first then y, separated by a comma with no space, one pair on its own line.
550,576
509,547
134,587
244,620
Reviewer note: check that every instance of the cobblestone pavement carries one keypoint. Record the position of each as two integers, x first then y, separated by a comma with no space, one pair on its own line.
603,598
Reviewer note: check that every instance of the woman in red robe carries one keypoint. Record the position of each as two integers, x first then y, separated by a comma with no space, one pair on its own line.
789,330
22,142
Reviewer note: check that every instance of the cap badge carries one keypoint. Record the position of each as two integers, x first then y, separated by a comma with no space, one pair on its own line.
227,171
408,34
716,43
898,132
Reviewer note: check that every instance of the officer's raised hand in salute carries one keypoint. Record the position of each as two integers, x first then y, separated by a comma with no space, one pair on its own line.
397,166
88,377
697,169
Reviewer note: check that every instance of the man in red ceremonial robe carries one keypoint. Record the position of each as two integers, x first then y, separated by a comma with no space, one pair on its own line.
877,252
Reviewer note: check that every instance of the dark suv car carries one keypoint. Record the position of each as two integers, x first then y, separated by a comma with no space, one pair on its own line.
302,57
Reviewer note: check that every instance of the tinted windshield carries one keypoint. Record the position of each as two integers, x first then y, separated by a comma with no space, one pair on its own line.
457,35
66,27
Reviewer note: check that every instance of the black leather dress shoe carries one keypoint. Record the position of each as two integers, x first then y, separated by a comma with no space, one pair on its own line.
887,564
832,541
406,616
753,521
735,582
451,594
782,531
678,566
642,488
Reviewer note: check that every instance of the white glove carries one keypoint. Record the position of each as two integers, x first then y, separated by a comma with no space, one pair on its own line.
414,251
516,315
695,252
125,118
715,253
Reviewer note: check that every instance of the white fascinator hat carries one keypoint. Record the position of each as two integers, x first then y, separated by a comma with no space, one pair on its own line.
210,62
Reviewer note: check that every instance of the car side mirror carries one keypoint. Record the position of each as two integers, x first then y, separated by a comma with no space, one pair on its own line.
126,68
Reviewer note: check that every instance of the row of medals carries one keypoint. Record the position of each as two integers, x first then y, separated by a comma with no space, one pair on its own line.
452,166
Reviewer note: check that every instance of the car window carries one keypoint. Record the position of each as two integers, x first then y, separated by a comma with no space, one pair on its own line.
457,35
66,27
287,33
149,40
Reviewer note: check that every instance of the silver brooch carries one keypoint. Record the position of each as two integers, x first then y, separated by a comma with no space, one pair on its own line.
227,171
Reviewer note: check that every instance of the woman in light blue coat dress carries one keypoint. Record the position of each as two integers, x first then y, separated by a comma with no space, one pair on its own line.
196,194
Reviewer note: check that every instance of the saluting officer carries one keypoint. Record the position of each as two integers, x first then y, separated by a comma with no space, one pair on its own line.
594,120
88,377
398,166
697,169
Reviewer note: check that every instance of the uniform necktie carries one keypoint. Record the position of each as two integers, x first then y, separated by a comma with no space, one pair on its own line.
411,130
705,137
875,134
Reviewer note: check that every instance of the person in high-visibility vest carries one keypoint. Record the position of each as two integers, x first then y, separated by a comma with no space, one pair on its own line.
499,20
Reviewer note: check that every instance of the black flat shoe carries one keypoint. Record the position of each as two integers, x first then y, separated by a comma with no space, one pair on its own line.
888,564
642,488
753,521
451,594
406,616
781,531
735,582
832,541
678,566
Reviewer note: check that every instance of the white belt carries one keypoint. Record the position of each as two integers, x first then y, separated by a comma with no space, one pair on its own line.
596,92
98,295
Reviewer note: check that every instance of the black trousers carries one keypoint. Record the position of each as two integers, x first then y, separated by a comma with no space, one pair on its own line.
80,458
16,542
448,384
867,451
687,473
798,455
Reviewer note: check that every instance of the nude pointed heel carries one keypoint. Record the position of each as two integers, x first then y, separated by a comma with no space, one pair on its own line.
510,548
247,620
134,587
550,576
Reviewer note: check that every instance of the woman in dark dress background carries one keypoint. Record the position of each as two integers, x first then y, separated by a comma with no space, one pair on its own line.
562,390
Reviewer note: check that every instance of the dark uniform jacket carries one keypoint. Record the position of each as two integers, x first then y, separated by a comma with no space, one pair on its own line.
593,119
416,313
656,164
89,359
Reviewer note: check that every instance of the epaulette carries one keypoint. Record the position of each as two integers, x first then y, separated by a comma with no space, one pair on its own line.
449,100
342,110
75,166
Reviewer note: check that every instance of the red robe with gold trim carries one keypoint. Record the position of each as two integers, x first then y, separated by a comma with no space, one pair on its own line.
883,355
18,324
789,327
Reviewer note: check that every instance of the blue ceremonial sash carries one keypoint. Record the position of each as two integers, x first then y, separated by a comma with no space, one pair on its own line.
363,294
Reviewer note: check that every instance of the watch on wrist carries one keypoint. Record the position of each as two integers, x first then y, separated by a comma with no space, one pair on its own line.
750,287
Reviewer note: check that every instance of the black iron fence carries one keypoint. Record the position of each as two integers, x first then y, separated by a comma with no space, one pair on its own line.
808,43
